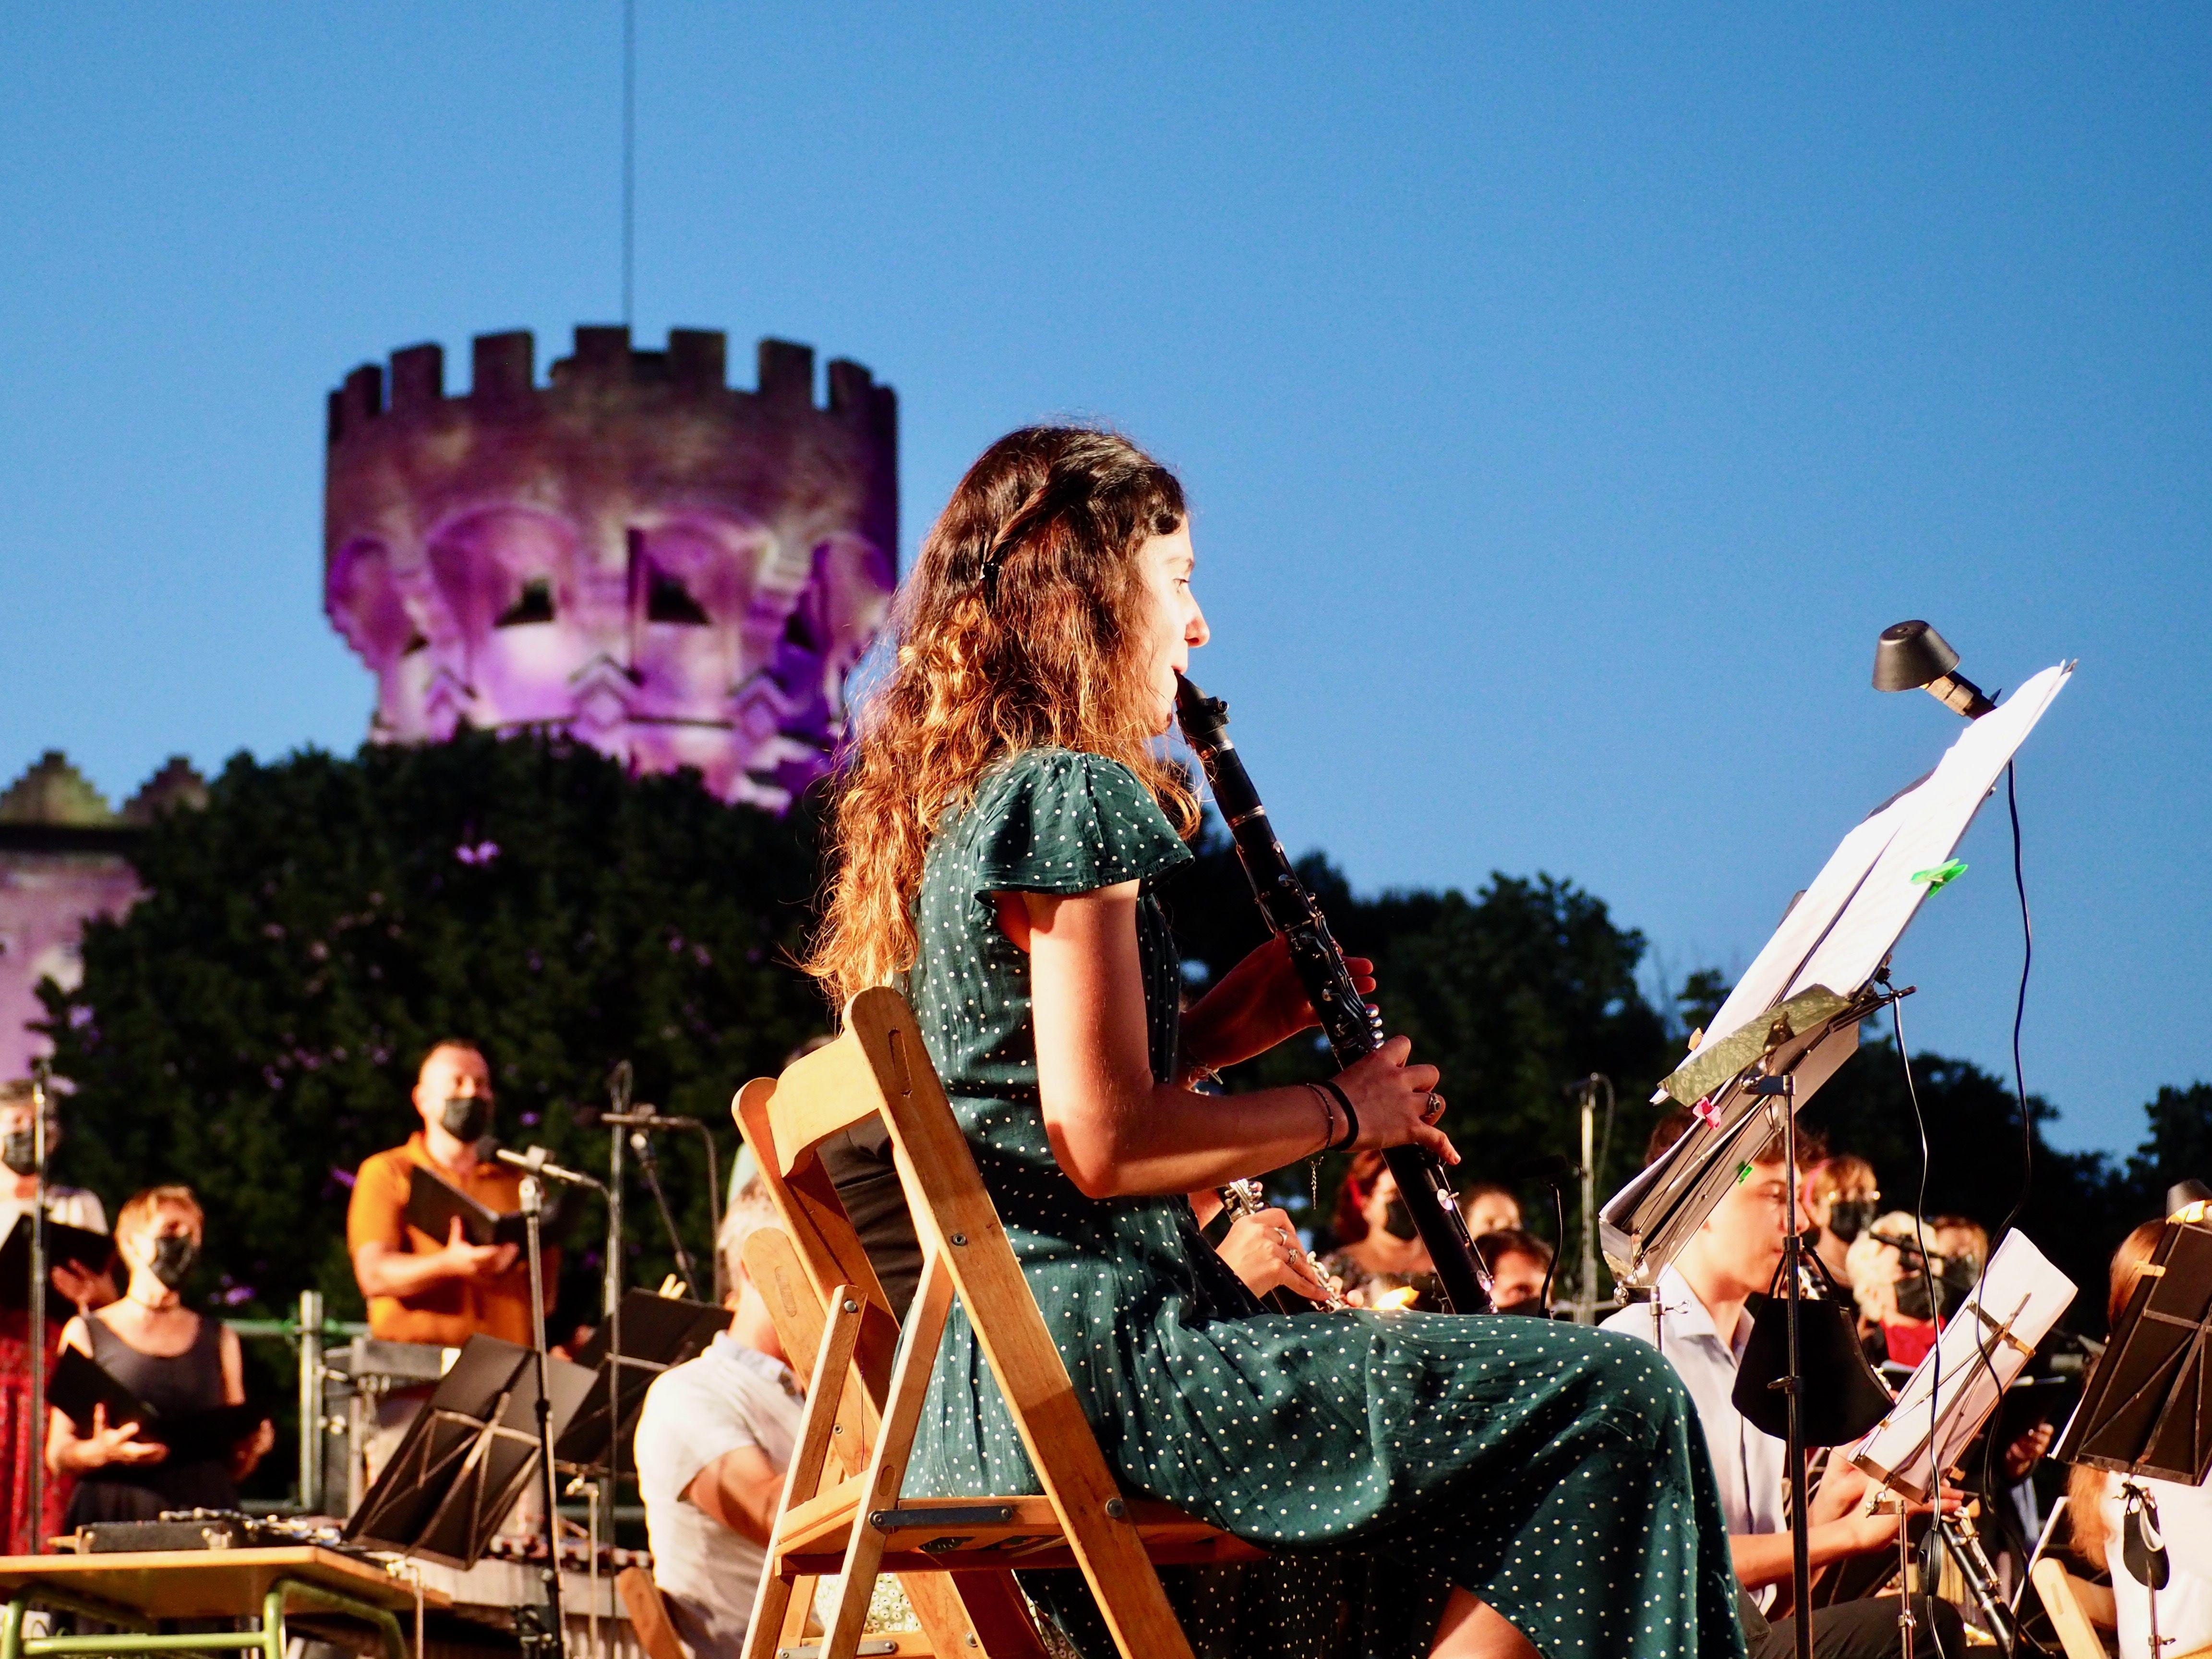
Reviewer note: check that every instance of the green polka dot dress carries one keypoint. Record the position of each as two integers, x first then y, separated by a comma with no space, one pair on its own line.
1556,1472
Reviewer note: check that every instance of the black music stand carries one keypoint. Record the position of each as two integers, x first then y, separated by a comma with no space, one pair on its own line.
2146,1413
467,1456
657,1332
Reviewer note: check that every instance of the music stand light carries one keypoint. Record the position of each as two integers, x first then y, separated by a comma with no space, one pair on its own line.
1911,656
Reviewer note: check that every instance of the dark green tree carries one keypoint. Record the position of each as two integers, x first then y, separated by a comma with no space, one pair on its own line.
2179,1147
2076,1208
252,1026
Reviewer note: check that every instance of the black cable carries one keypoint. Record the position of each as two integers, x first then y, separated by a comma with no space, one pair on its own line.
1928,1277
2020,1011
1559,1230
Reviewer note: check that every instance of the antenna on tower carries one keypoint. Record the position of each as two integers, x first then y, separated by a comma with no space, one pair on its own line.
630,158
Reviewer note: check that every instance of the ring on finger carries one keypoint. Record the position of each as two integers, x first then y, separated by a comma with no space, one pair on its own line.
1434,1108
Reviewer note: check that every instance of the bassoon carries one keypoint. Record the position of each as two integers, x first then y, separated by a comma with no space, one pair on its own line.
1353,1028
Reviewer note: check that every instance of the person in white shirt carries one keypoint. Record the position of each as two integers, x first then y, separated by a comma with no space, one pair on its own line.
2096,1507
713,1441
1702,1327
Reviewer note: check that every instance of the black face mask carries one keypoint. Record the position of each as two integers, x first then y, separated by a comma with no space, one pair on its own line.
1953,1286
173,1256
19,1152
1398,1221
466,1116
1850,1217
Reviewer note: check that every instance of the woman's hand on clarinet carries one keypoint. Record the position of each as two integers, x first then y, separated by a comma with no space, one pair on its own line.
1397,1103
1262,1249
1256,1005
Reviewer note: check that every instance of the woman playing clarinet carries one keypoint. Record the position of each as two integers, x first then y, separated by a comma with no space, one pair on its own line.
1425,1483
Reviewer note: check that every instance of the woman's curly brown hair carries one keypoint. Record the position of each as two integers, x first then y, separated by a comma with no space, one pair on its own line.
1019,628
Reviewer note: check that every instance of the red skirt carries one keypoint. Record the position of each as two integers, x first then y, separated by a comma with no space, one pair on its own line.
15,1537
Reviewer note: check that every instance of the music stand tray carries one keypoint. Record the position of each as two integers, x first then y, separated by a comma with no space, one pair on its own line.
467,1456
657,1332
1797,1008
1982,1350
2146,1411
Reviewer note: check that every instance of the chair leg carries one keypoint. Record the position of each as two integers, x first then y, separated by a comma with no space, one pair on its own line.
863,1549
803,1479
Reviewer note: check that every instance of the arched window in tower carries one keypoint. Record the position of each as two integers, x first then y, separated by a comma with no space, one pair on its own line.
667,600
534,603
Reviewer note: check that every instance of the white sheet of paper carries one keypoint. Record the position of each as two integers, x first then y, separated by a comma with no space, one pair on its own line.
2020,1292
1859,905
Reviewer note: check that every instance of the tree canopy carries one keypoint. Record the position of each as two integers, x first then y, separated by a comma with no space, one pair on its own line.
253,1025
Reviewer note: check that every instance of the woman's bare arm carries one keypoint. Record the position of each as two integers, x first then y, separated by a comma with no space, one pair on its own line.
1116,1129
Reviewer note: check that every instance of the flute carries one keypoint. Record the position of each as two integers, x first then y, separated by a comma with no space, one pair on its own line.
1353,1028
1247,1197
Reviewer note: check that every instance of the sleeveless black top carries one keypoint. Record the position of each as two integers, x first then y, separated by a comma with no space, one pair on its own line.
176,1386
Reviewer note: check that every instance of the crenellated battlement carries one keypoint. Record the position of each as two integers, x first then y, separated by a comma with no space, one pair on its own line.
676,569
694,364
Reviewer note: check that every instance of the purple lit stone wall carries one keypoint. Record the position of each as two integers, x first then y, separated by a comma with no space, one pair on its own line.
63,861
674,571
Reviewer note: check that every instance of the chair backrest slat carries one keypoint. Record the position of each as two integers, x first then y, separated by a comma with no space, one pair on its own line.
880,1067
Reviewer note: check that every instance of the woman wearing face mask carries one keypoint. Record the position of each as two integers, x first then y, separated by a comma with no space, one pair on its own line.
68,1283
177,1362
1379,1253
1841,1201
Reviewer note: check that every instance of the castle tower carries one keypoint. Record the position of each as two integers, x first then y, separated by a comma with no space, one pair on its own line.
674,571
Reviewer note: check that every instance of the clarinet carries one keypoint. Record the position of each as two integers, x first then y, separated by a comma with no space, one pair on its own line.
1354,1029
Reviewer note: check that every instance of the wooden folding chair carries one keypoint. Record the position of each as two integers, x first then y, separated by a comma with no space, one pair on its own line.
864,1400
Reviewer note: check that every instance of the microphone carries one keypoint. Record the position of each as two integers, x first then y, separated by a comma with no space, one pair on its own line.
1575,1088
538,1162
646,1118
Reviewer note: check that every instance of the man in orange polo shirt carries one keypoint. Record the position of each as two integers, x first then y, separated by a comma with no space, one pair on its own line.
422,1289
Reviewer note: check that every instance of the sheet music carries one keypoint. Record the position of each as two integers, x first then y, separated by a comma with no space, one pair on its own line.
1861,903
1983,1349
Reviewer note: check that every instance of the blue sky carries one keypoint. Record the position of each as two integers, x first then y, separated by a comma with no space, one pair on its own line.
1568,395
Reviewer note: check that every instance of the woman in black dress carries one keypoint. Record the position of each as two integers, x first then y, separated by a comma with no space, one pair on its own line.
177,1362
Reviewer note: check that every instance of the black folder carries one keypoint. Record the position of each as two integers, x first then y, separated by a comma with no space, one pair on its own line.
80,1384
433,1201
81,1247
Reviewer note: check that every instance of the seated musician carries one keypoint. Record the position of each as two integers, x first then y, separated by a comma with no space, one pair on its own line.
180,1363
1841,1200
1703,1327
713,1441
439,1291
2096,1507
1519,1262
1490,1207
1379,1256
1438,1484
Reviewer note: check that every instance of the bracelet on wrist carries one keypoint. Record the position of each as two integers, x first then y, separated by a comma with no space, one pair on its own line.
1350,1118
1327,1117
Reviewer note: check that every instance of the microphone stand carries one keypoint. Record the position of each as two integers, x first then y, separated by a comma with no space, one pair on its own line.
646,1118
618,1088
36,1522
649,1164
548,1640
1783,1088
535,1170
